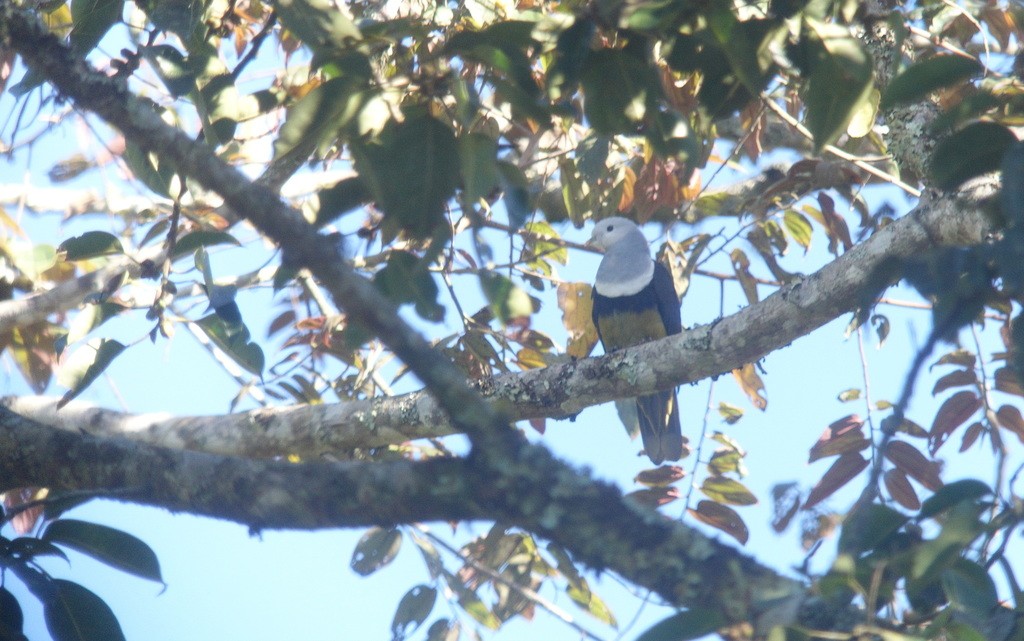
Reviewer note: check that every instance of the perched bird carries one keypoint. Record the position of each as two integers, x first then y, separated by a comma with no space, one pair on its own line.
635,301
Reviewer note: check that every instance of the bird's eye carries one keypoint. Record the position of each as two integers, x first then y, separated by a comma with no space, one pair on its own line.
610,227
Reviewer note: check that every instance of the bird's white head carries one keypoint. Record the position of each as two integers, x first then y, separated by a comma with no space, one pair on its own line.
610,231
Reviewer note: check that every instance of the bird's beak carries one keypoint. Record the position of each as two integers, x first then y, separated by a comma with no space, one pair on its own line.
594,243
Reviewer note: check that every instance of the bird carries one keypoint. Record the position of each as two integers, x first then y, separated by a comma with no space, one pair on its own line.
635,301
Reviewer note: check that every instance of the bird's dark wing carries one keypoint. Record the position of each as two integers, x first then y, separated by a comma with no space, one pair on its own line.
668,299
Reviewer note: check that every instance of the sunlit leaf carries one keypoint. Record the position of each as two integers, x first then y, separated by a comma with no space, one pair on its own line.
375,549
507,299
85,365
233,340
91,244
111,546
471,603
752,385
319,115
576,303
728,491
722,518
730,413
73,613
925,76
319,24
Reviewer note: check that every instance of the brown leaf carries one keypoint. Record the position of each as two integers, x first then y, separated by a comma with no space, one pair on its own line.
752,385
954,412
1007,381
909,460
655,496
959,357
844,470
539,424
1010,418
628,182
741,265
576,302
901,490
660,476
842,436
956,378
723,518
971,435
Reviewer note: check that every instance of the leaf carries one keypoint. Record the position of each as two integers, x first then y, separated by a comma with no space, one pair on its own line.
190,242
726,460
852,394
405,279
976,149
375,549
923,77
233,340
477,154
841,437
752,385
92,19
798,228
85,365
91,244
660,476
1008,382
73,613
869,528
683,626
507,300
730,413
340,198
952,494
722,518
581,594
655,496
471,603
173,68
970,589
956,378
844,470
971,435
954,412
1010,418
577,304
11,617
900,489
411,170
517,196
111,546
443,630
317,117
741,265
322,26
726,490
907,459
839,80
413,610
617,87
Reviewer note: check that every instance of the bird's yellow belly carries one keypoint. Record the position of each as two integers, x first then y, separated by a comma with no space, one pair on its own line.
626,329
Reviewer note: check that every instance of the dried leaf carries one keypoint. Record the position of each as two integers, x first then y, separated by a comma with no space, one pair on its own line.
741,265
752,385
844,470
1008,382
960,357
971,435
660,476
785,503
723,518
1011,419
576,302
841,437
901,490
954,412
655,496
909,460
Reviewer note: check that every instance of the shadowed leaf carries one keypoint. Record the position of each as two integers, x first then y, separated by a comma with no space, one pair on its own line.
377,548
722,518
73,613
111,546
844,470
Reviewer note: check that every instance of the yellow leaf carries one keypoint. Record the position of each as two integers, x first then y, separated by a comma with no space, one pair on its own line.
576,303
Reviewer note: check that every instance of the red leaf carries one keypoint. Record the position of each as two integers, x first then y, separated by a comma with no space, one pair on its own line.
971,435
538,424
841,437
1007,381
1010,418
723,518
842,472
954,412
655,496
660,476
913,463
901,490
957,378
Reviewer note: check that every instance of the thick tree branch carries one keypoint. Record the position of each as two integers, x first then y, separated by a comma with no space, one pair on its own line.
561,390
535,492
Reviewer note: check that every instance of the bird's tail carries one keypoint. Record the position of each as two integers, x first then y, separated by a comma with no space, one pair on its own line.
660,430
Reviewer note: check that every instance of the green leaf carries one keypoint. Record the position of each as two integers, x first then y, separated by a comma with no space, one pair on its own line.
92,19
976,149
728,491
571,51
90,245
85,365
233,340
73,613
27,547
478,153
798,228
340,198
839,80
91,317
377,548
11,618
507,300
321,25
405,279
682,626
617,86
869,528
471,603
951,494
413,610
412,171
581,594
970,589
172,67
149,168
923,77
192,241
318,116
517,196
443,630
115,548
